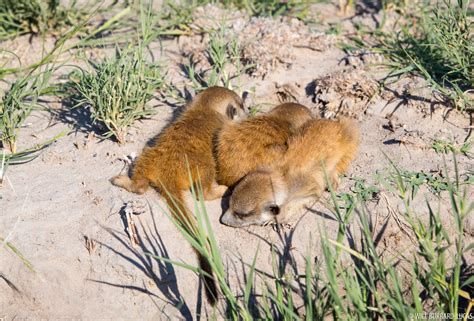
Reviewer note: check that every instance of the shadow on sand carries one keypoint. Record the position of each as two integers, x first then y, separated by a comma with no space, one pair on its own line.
143,257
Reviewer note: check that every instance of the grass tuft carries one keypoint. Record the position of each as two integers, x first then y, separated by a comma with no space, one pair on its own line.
18,103
117,90
18,17
224,55
437,45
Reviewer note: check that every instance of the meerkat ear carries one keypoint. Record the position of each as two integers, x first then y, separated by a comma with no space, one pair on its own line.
245,95
274,209
231,111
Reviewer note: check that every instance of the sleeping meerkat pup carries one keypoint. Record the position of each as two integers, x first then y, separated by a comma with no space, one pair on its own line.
182,150
265,195
259,141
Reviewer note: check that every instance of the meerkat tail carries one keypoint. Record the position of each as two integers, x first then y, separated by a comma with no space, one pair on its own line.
349,143
133,186
183,216
209,281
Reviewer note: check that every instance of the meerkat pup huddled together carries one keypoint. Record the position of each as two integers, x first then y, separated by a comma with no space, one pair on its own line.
242,147
267,162
320,149
185,150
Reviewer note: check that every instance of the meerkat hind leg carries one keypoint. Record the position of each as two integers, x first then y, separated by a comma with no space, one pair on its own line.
334,181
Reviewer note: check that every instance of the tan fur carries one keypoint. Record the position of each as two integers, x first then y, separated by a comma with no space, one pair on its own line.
183,149
263,195
256,142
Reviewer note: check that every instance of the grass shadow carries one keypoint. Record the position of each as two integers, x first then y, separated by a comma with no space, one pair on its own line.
161,273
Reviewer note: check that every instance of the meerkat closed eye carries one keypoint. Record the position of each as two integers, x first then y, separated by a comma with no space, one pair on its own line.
183,147
264,195
259,141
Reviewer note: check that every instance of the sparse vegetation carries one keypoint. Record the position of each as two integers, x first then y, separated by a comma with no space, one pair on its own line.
117,90
445,147
272,8
18,102
437,45
18,17
225,60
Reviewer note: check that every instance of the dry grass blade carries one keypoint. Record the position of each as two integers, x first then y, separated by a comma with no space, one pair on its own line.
130,227
24,156
89,244
17,104
17,252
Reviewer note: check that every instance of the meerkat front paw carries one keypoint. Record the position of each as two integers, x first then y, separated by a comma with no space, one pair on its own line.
215,192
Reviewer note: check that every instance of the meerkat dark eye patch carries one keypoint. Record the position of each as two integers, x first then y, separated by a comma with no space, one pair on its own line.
274,209
231,111
242,215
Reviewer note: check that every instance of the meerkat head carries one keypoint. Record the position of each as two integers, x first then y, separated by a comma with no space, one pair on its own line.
296,114
224,101
256,200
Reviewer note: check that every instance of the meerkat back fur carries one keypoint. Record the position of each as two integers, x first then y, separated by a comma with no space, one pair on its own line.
264,195
259,141
184,150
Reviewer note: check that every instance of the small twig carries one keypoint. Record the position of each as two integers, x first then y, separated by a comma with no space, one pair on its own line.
404,227
89,244
131,230
130,209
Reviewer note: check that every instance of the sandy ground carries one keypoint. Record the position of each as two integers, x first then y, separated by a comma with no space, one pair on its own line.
51,206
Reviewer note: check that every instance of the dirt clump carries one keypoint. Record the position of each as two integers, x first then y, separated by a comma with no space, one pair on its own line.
344,94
